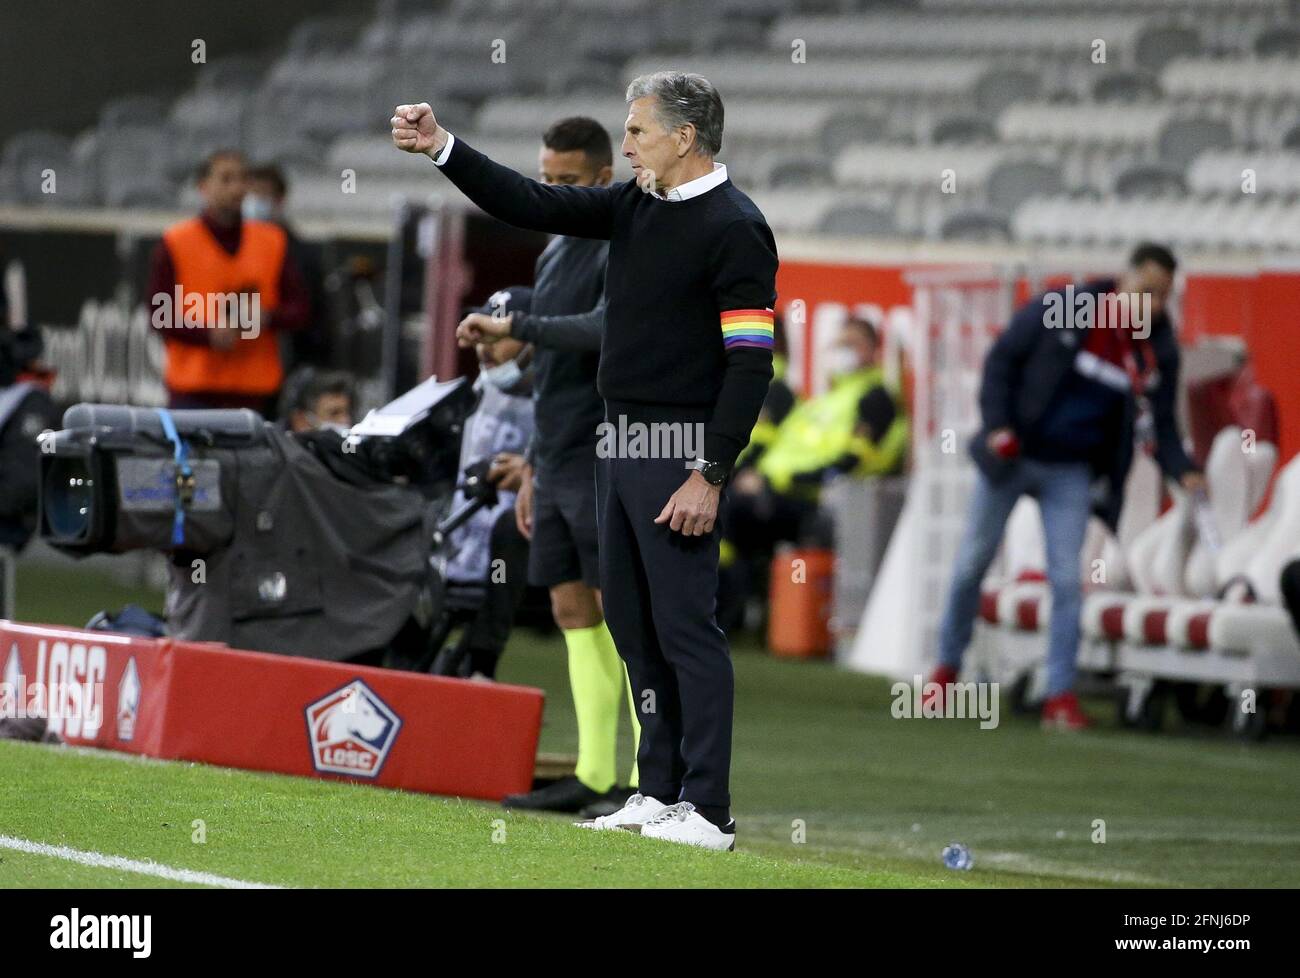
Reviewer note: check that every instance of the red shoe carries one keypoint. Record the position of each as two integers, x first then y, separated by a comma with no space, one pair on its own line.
1064,713
942,676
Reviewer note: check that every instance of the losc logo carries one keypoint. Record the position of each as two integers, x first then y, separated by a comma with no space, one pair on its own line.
351,731
128,701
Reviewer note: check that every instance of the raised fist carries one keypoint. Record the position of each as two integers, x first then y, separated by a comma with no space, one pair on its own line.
415,130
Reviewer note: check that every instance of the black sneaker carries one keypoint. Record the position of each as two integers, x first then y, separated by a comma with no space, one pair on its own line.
610,802
566,795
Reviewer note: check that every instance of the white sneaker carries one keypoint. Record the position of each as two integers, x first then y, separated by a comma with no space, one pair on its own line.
682,823
638,810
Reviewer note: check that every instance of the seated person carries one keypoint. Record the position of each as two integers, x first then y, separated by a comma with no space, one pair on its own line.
489,549
855,428
26,410
313,398
777,404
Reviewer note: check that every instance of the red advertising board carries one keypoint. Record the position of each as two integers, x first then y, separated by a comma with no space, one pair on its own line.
205,702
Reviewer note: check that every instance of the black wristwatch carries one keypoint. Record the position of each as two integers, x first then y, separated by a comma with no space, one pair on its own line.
715,473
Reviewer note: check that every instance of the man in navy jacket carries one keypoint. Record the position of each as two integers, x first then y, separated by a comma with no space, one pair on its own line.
1079,375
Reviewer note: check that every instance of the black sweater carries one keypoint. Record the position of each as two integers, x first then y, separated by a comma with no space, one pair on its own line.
674,268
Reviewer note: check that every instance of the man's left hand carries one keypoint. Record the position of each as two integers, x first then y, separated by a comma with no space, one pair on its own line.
693,508
478,327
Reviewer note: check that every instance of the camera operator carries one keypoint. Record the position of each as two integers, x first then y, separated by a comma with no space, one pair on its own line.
26,410
313,398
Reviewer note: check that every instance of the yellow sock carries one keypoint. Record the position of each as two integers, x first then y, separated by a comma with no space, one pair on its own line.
597,677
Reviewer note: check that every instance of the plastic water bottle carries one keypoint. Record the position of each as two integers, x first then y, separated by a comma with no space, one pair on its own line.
957,856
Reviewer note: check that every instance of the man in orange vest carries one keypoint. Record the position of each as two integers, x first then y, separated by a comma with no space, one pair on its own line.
220,289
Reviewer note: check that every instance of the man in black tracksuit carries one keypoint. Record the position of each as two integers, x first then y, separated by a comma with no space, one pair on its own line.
556,505
684,368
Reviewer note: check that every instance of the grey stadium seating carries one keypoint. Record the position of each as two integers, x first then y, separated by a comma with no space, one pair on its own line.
841,115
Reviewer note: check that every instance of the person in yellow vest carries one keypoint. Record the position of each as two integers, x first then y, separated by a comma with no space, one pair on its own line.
220,290
776,405
856,428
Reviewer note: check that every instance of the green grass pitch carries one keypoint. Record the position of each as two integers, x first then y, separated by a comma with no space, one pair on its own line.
829,790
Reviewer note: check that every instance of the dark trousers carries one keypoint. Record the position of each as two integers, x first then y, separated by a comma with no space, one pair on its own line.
487,633
659,591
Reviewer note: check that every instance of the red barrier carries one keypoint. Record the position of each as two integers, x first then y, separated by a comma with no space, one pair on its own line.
205,702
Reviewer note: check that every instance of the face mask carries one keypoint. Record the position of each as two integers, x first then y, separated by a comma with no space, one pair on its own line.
503,376
256,208
840,360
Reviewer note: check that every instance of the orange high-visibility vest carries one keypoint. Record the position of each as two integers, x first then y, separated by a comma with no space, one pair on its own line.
252,365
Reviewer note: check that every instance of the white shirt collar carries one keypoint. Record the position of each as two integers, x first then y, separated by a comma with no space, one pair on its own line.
693,188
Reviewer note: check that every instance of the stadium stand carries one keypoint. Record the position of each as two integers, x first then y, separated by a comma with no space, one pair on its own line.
964,121
1190,96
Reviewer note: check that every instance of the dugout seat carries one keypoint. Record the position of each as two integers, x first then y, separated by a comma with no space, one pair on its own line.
1171,610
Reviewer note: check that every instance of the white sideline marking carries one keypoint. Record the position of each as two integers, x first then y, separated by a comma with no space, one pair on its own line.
128,865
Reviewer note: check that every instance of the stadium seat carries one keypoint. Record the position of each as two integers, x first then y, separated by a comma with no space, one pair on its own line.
840,127
962,130
880,34
795,211
135,165
858,220
975,225
1181,140
1159,44
897,164
1226,171
1149,180
800,171
1126,86
1012,182
999,87
1239,78
133,110
28,156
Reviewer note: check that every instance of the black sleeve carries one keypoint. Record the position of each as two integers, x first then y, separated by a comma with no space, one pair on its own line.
876,411
578,333
1003,365
582,212
744,277
20,455
779,401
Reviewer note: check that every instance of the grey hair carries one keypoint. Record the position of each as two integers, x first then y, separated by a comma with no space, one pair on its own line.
680,98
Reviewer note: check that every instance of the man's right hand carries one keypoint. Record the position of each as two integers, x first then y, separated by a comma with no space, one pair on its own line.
480,328
415,130
524,504
1003,443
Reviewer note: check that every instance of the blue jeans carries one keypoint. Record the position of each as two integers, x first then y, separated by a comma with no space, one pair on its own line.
1063,493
